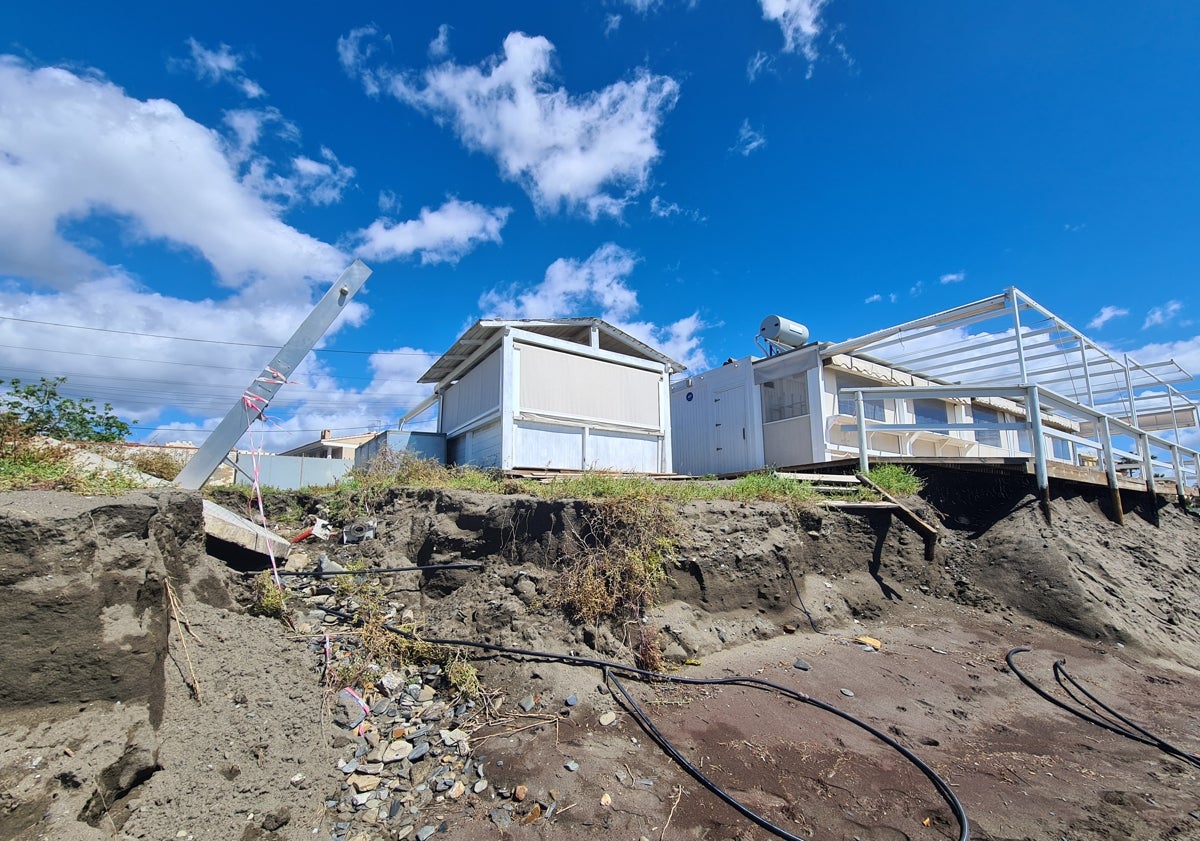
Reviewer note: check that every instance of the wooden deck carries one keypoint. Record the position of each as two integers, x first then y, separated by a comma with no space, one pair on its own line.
1005,465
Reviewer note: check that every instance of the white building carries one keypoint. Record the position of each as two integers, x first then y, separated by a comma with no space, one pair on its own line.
557,394
956,385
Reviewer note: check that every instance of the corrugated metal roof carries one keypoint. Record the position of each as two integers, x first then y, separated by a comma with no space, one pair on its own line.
577,330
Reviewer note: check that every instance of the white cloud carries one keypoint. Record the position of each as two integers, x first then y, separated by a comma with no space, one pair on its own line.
440,236
439,47
953,277
758,64
611,24
892,297
73,146
571,288
801,23
590,153
1106,314
748,140
874,299
388,201
355,49
222,65
1186,352
644,7
664,209
1162,315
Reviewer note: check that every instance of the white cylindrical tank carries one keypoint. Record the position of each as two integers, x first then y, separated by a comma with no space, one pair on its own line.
783,331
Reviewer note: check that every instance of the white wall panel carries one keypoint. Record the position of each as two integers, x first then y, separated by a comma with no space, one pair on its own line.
477,393
568,384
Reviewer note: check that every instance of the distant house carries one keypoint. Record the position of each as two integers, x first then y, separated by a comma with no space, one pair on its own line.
1002,380
327,446
557,394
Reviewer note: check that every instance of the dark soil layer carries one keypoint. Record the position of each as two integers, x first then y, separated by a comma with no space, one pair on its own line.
104,735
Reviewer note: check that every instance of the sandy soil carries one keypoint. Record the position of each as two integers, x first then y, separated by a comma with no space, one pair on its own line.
256,756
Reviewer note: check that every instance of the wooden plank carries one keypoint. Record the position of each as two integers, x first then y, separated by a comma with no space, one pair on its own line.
819,477
865,506
907,513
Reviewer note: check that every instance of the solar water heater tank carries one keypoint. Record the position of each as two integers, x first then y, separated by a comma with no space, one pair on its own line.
783,331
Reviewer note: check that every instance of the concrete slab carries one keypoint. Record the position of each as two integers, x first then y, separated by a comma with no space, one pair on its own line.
223,524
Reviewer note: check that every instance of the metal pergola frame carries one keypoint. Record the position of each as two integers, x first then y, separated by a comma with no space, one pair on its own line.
1032,346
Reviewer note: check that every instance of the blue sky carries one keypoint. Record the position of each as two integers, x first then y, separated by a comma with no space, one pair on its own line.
682,169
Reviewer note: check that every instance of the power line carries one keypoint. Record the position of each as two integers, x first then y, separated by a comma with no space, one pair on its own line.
208,341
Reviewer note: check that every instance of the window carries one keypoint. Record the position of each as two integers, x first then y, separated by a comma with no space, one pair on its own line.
873,408
985,417
785,398
930,413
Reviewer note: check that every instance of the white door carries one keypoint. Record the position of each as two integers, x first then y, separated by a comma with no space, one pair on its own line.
730,434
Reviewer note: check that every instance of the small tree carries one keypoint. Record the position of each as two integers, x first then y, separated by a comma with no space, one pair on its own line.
40,410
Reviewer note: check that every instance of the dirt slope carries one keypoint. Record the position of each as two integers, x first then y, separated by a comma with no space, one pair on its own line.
105,737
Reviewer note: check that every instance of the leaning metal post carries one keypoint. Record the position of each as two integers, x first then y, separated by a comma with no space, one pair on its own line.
1110,469
262,389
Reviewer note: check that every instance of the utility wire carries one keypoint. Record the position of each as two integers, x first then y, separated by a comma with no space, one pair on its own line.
207,341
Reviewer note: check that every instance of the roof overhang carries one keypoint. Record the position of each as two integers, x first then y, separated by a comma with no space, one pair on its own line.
587,332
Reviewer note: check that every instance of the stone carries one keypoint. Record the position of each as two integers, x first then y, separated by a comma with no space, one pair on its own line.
480,786
347,712
608,718
572,700
363,782
419,750
457,790
424,833
273,821
847,693
396,751
801,665
520,793
526,704
427,693
502,818
572,766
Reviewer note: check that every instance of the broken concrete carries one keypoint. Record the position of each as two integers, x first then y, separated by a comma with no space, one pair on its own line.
223,524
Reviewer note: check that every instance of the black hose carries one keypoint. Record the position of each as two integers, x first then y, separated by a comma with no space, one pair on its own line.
1129,731
608,668
319,573
800,599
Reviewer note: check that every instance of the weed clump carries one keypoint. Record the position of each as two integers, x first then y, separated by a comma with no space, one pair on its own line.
363,490
268,598
398,646
896,479
619,562
160,463
32,463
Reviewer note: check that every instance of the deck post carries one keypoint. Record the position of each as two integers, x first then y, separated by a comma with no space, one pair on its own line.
1110,469
1180,483
860,416
1033,407
1148,474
